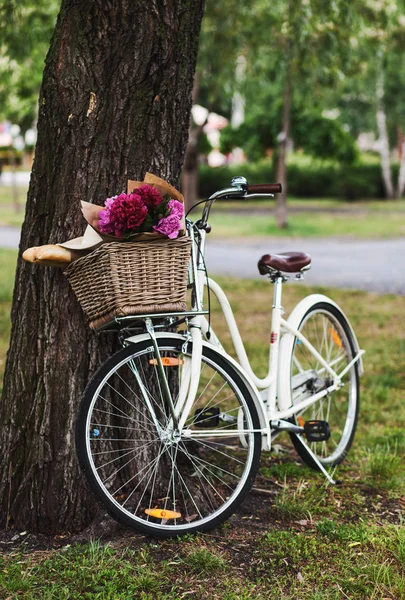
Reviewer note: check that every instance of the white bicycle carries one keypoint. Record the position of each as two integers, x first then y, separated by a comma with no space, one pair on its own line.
171,428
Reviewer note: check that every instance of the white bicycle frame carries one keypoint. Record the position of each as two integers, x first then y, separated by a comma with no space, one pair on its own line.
272,401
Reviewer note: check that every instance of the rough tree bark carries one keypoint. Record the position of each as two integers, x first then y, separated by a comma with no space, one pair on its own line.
115,102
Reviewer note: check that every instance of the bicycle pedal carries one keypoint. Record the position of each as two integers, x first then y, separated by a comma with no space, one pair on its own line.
317,431
206,417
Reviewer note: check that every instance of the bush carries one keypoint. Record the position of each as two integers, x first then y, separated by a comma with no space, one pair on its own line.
315,180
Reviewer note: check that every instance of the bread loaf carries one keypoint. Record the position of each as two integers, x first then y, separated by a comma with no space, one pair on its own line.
51,255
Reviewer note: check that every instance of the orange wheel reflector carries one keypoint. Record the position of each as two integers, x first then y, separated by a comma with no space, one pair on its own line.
159,513
168,362
336,338
301,421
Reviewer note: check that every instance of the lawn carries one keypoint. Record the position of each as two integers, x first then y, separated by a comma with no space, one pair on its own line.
294,537
311,218
307,217
12,205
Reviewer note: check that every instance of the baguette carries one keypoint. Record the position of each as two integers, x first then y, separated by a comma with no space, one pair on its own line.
51,255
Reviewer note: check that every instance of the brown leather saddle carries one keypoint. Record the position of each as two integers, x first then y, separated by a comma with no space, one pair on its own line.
286,262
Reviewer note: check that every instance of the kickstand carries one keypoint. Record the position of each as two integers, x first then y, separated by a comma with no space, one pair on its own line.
318,465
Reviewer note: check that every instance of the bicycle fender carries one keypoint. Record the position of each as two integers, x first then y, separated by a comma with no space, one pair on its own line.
257,399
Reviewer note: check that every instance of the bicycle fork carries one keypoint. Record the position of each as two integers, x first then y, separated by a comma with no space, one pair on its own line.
190,379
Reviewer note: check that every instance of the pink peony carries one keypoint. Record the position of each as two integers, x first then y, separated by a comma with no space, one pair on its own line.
169,226
104,215
149,195
176,208
122,214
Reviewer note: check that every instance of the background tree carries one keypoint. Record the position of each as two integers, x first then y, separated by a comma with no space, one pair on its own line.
221,42
295,51
376,91
315,134
115,102
25,32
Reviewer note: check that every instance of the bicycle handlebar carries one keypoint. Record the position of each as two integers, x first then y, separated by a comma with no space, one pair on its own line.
239,190
265,188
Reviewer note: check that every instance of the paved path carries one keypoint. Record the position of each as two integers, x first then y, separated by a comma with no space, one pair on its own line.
19,178
9,237
371,265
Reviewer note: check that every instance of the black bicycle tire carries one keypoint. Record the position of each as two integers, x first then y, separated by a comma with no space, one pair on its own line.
305,456
84,462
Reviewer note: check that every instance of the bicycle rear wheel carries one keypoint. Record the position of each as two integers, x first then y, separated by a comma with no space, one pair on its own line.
326,328
150,478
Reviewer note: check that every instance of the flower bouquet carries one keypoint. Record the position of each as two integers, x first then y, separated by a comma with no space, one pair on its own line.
151,209
141,256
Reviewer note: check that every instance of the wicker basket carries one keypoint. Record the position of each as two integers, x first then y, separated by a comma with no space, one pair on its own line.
131,278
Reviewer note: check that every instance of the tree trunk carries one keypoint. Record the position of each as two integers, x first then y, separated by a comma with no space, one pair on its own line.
189,177
383,135
115,102
284,137
401,174
189,180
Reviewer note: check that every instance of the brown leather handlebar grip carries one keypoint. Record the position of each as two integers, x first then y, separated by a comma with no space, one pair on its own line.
264,188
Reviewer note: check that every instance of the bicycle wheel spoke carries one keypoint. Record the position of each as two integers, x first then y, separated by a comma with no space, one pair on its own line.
147,468
122,415
130,403
225,471
153,471
117,470
191,458
325,328
201,443
146,473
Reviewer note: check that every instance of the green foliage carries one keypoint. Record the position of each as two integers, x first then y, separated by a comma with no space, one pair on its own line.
204,145
25,32
309,180
255,135
323,138
222,41
313,133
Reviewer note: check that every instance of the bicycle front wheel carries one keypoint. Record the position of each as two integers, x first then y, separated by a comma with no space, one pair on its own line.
149,477
326,328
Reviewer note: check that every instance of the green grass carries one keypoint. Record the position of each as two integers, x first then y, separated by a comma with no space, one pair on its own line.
304,539
312,218
307,217
8,260
12,207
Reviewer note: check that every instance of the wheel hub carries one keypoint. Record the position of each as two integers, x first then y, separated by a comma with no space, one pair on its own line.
170,437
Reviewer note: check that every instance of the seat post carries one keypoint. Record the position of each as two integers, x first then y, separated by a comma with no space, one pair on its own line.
277,294
274,342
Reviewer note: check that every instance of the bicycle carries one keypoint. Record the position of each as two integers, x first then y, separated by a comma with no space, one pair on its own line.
171,428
